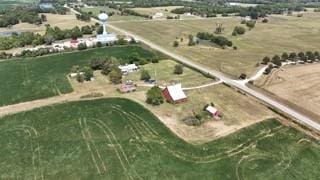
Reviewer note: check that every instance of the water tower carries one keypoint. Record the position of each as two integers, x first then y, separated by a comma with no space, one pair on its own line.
103,17
105,37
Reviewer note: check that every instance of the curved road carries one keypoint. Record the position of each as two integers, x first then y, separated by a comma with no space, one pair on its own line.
293,113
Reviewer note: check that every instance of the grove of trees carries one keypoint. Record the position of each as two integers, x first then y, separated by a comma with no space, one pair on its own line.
219,40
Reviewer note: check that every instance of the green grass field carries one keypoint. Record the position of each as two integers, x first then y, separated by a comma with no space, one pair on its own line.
116,17
119,139
36,78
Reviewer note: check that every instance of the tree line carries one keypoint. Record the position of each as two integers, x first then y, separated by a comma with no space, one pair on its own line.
219,40
301,57
52,34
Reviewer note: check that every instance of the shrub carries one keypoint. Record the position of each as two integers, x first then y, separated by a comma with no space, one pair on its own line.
242,76
87,73
175,44
82,46
154,96
80,78
178,69
265,20
145,76
265,60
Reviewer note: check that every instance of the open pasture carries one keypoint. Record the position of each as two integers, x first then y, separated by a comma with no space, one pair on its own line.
281,34
297,86
115,17
119,139
35,78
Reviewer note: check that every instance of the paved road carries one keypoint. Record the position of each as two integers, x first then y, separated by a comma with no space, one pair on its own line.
303,119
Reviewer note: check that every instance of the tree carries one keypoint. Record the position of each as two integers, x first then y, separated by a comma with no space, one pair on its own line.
310,55
191,41
145,76
99,44
87,73
238,30
292,56
115,75
265,20
284,56
178,69
316,54
265,60
154,96
75,69
48,39
109,65
301,55
175,44
251,24
97,63
276,60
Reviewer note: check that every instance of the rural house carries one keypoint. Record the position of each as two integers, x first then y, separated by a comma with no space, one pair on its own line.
174,94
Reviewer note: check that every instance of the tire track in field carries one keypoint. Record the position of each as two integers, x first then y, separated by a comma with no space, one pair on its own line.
33,135
250,143
95,154
120,153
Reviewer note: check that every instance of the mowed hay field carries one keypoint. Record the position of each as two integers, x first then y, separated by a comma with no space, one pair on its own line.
119,139
35,78
298,86
281,34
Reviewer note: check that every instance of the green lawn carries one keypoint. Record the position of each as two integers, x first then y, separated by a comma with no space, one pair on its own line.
119,139
36,78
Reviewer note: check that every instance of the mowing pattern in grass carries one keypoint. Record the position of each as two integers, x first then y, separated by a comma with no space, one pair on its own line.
119,139
36,78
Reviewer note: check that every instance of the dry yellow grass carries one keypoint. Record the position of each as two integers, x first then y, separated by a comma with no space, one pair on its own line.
297,86
281,34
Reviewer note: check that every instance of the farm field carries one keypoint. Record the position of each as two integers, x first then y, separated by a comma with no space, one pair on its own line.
281,34
36,78
119,139
163,73
117,14
297,86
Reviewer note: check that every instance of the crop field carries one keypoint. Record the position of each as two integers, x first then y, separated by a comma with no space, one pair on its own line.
119,139
163,73
297,86
35,78
281,34
115,17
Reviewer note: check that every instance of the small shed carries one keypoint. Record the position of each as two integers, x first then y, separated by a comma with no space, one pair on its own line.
174,94
213,111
